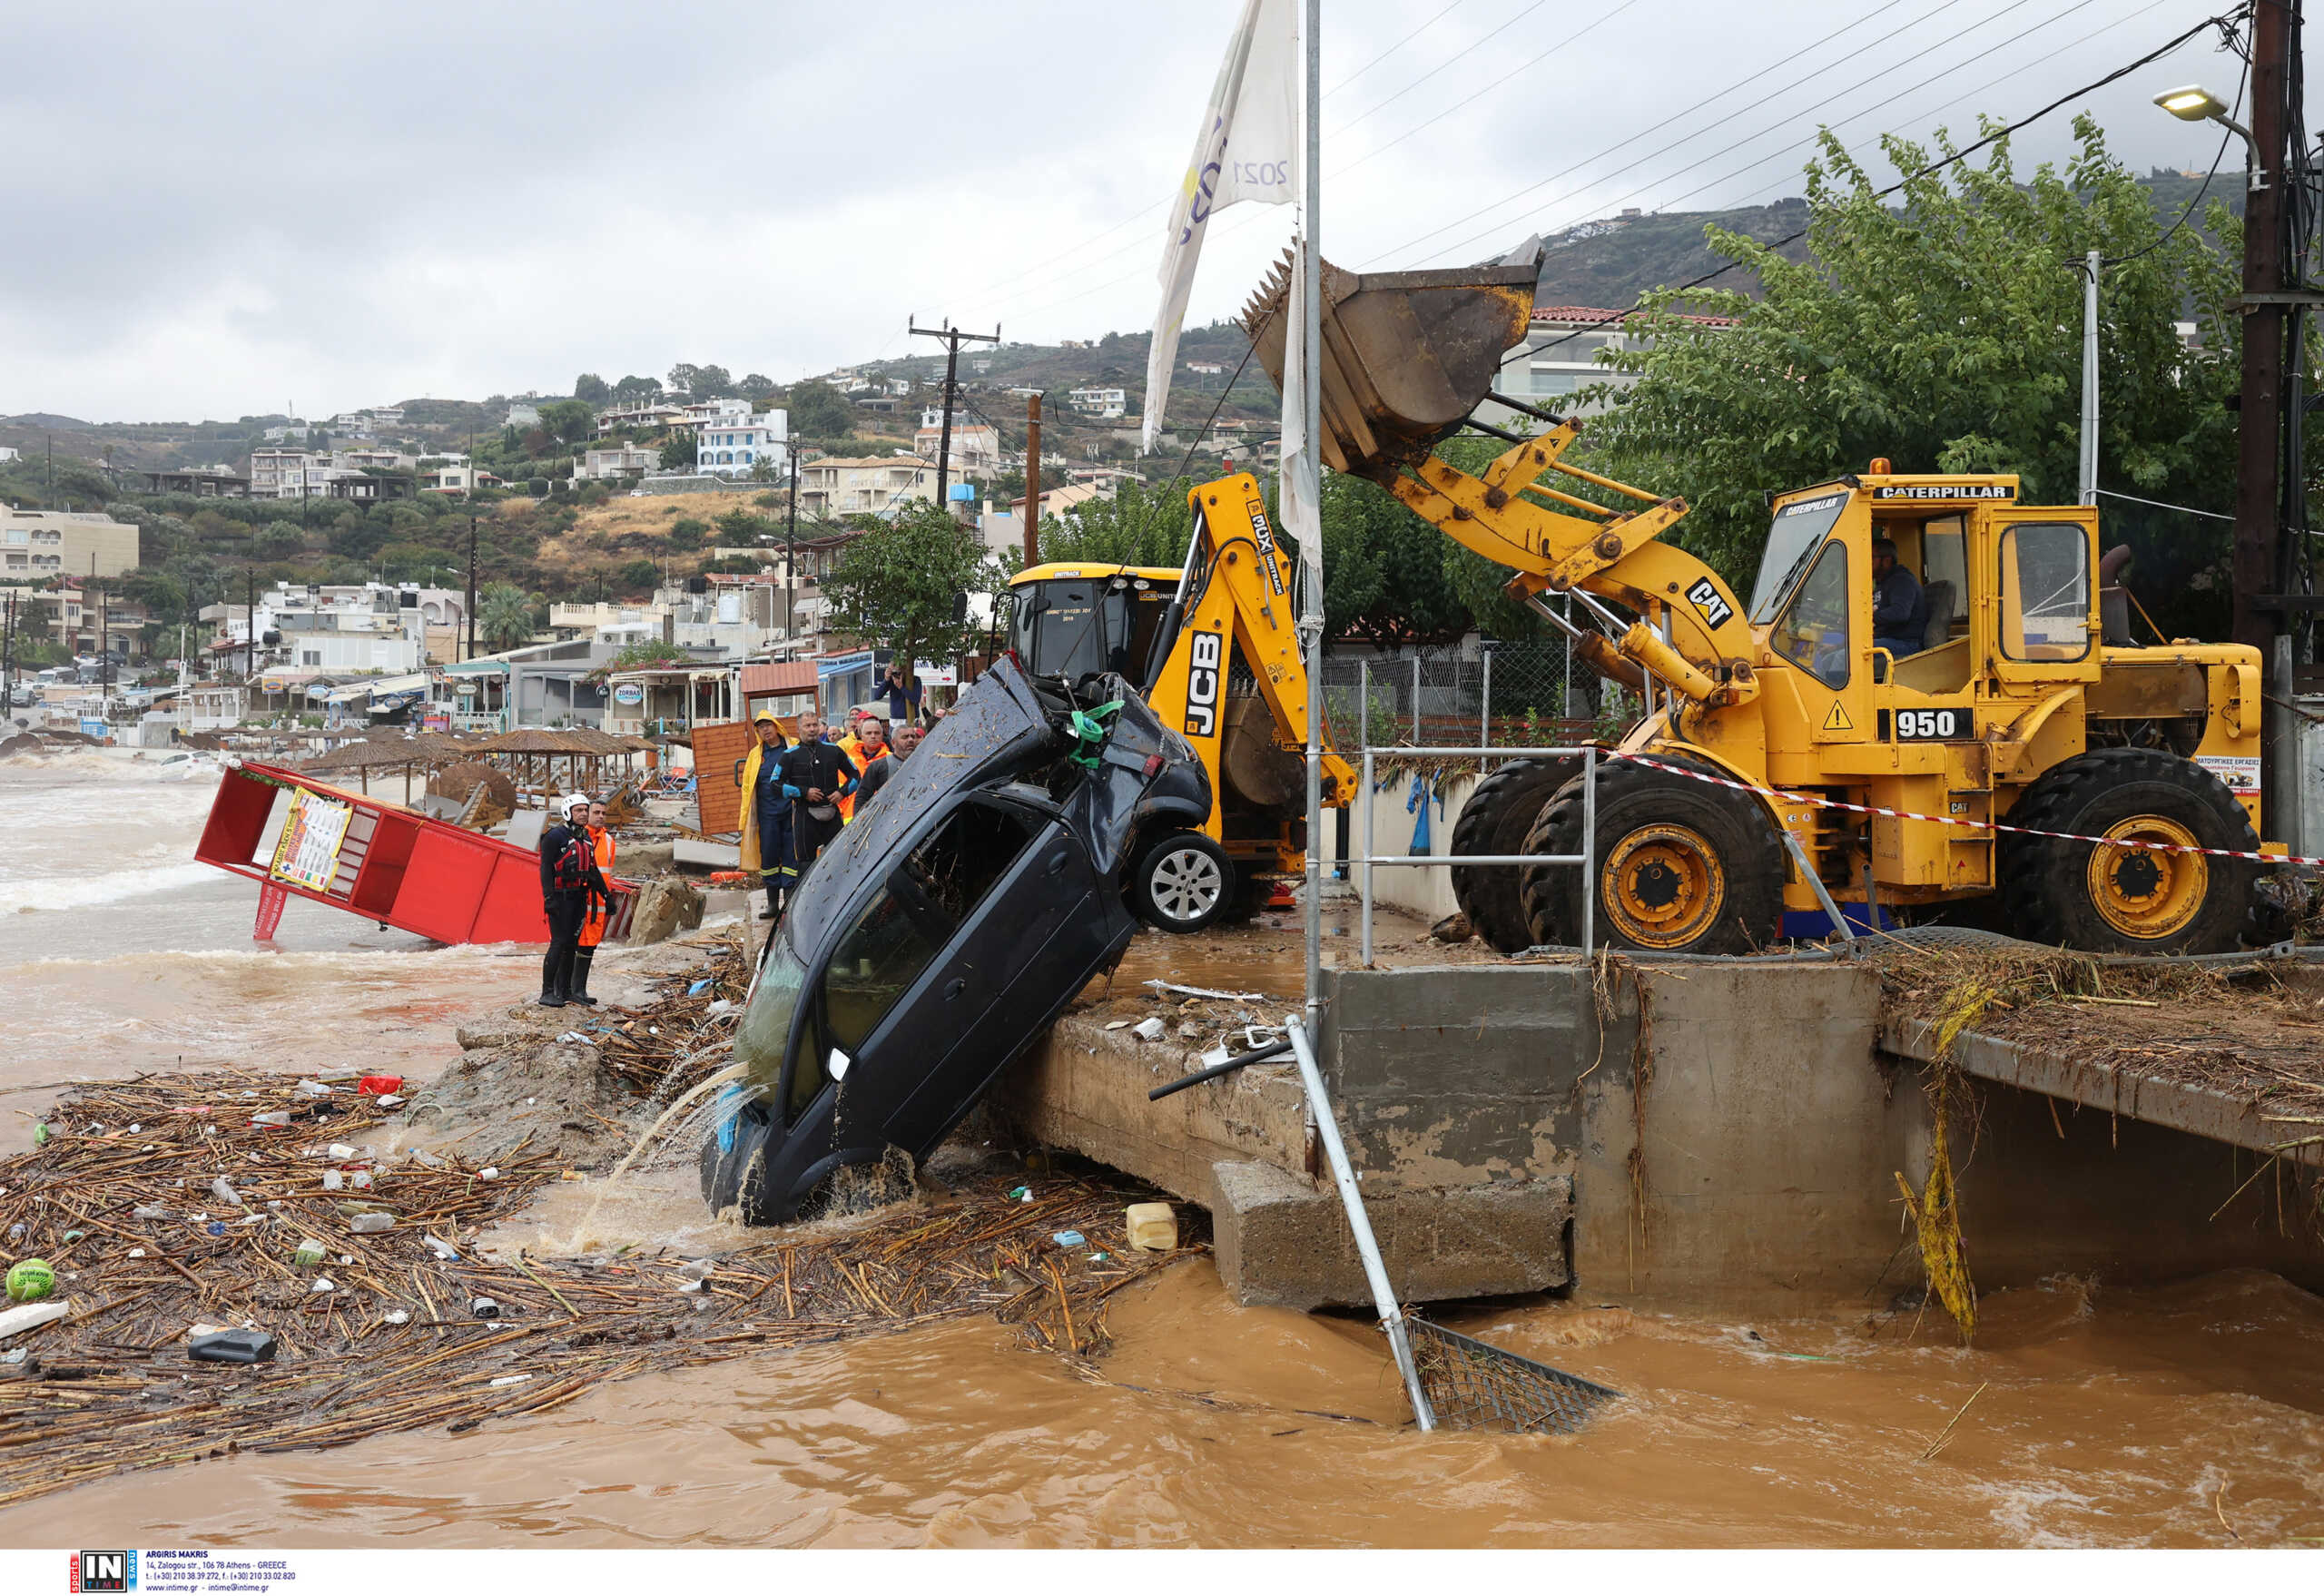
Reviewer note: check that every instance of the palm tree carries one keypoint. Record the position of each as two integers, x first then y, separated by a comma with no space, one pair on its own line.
505,615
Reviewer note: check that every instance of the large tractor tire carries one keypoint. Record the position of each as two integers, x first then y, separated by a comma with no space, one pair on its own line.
1681,866
1497,819
2104,900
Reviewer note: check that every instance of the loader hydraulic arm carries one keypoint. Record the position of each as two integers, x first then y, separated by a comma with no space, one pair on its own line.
1692,633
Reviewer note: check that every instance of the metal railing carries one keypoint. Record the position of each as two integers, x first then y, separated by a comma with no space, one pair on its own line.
1367,861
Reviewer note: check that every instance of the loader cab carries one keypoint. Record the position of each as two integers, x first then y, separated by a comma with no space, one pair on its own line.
1071,620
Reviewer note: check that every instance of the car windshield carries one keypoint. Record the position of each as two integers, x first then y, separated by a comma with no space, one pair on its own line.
1799,531
765,1030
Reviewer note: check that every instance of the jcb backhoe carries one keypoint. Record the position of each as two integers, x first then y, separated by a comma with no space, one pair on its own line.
1212,644
1779,736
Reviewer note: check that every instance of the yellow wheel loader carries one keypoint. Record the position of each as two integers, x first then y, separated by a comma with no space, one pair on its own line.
1214,647
1781,734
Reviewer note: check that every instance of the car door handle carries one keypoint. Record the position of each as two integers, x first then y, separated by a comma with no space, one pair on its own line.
1057,862
955,987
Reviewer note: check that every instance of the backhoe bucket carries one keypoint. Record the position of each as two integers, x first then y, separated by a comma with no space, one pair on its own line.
1407,354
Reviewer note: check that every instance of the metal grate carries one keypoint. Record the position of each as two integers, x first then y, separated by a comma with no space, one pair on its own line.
1474,1386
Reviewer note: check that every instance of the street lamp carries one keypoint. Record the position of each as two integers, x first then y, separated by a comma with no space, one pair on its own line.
2195,103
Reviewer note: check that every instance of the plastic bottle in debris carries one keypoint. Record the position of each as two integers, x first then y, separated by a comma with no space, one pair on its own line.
224,1192
277,1116
371,1223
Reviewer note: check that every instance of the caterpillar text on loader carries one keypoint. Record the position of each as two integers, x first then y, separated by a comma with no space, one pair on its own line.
2020,700
1214,646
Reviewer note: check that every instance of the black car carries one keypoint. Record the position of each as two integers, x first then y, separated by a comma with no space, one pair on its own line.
944,929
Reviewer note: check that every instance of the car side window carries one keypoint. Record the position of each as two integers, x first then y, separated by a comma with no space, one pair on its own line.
1814,631
904,926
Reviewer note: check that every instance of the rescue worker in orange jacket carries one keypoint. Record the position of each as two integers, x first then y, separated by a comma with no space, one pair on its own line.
600,911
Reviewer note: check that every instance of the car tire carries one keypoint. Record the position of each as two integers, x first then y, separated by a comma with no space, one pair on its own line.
1497,819
1182,883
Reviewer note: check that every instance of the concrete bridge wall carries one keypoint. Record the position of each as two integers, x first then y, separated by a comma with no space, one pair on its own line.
1711,1134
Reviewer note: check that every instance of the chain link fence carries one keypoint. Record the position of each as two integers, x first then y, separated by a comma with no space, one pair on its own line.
1520,694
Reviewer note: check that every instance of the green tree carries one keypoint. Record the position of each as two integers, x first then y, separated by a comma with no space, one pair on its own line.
635,391
1139,525
819,411
591,389
756,388
504,615
1945,335
901,585
569,422
678,450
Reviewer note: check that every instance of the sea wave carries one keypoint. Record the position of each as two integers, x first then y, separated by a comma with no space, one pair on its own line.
84,891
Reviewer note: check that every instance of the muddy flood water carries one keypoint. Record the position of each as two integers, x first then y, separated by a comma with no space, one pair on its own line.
2097,1414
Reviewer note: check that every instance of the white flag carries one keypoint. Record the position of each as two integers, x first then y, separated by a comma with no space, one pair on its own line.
1247,150
1303,521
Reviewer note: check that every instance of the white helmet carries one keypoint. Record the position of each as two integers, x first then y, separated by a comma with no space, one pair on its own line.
574,802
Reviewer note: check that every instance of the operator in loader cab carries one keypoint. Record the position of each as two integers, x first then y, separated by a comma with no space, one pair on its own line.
1899,610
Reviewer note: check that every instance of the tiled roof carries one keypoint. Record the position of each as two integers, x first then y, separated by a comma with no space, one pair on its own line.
1588,313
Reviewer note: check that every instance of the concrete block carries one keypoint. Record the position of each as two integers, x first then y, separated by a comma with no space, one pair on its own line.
1285,1242
689,852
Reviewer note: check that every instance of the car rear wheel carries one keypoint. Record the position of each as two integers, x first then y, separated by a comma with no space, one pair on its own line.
1182,883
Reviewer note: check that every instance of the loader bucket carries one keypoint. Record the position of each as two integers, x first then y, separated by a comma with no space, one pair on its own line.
1407,354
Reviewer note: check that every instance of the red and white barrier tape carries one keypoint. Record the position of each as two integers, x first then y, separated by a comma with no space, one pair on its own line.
1949,819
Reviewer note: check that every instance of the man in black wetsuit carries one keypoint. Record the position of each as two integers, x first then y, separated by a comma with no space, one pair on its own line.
816,774
569,879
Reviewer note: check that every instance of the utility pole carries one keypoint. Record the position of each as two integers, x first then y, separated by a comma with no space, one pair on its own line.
472,498
2256,561
791,560
1032,480
2090,381
952,339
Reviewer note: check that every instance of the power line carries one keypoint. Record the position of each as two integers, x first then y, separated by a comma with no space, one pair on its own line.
1448,62
1710,99
1391,49
1910,178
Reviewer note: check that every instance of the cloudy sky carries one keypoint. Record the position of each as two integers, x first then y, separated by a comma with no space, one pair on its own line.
215,210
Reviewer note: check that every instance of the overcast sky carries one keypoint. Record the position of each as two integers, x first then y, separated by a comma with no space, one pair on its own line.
218,210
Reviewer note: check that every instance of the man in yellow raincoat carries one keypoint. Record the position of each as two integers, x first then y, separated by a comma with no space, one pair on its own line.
766,811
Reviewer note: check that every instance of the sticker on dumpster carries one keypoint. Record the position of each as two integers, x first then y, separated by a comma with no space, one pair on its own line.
307,854
2241,772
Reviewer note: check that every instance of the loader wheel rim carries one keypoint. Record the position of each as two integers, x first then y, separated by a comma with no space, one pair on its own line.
2146,892
1662,885
1186,884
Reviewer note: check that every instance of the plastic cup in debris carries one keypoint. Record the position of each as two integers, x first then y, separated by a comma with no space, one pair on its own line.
488,1174
360,1179
310,1253
371,1223
340,1151
1148,1029
333,1180
484,1307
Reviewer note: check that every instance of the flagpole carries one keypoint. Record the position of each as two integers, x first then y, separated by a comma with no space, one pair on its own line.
1311,618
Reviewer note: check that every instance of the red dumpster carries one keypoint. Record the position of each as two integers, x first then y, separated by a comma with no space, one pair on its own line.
373,859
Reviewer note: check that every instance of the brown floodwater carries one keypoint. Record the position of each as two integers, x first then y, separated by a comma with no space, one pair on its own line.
2190,1415
2185,1416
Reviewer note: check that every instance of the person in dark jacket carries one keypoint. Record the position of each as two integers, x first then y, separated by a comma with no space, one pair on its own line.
815,775
569,879
876,774
1899,607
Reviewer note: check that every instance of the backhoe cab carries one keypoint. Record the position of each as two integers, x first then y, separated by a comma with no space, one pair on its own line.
1831,723
1213,645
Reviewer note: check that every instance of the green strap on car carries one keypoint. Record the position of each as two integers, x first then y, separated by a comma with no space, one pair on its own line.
1093,727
